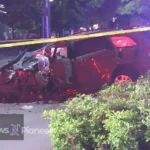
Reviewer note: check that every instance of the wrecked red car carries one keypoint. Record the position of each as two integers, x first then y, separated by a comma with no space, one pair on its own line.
61,70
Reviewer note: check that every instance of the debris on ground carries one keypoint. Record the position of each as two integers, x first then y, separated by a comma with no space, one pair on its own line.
26,107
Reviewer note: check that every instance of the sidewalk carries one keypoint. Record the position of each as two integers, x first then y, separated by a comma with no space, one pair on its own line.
32,119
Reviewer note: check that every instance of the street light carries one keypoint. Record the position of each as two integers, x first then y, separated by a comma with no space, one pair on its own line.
4,12
2,7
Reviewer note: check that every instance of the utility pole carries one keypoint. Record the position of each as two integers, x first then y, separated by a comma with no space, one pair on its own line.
47,16
46,25
43,26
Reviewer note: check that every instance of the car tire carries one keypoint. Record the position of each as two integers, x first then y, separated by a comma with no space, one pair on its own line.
125,76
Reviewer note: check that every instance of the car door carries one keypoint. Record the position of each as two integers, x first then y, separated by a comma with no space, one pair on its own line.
95,61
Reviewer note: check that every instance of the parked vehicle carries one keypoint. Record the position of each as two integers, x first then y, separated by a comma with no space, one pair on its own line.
80,66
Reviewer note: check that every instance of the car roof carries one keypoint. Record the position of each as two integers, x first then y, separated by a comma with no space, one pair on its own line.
99,31
133,34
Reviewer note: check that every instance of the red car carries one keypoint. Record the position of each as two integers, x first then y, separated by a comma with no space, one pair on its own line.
81,66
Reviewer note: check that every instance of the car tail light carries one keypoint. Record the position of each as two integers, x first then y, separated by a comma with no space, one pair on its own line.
122,41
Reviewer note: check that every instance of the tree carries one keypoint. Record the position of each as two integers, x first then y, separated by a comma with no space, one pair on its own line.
24,14
68,13
134,7
65,14
133,12
77,13
27,14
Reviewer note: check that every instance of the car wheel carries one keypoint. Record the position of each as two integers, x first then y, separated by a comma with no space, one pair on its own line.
125,76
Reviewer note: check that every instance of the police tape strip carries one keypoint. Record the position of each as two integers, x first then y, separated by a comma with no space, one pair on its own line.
13,41
75,37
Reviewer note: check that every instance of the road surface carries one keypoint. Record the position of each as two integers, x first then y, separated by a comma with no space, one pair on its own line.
7,55
32,119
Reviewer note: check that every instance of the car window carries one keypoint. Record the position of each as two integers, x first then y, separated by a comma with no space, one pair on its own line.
87,46
122,41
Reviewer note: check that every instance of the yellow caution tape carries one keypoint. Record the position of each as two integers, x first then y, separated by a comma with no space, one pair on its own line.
13,41
75,37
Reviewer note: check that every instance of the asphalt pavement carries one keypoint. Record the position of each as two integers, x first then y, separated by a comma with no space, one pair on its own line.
7,55
33,120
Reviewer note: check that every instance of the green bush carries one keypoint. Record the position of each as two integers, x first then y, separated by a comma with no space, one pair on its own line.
118,119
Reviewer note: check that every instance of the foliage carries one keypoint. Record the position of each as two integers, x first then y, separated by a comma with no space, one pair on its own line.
24,14
117,119
65,14
133,7
68,13
74,13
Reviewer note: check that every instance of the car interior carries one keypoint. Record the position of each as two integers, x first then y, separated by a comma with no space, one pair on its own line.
61,65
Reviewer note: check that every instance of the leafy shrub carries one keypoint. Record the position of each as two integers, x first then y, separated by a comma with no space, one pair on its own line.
118,119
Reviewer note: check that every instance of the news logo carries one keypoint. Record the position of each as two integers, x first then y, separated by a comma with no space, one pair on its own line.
11,127
15,130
